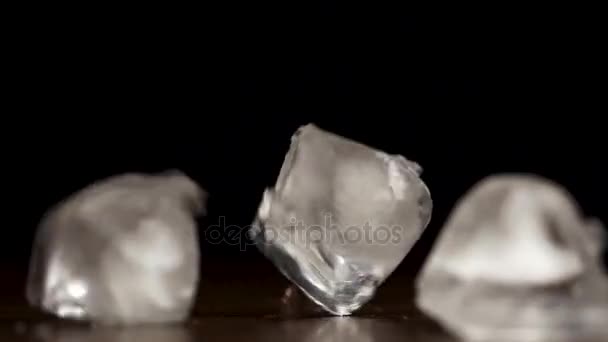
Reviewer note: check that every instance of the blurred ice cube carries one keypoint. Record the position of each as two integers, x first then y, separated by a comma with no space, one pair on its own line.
517,261
123,250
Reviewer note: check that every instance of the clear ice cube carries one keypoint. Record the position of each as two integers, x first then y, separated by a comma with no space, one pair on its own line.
341,217
123,250
517,261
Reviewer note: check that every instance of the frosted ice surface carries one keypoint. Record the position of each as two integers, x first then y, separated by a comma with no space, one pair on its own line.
341,217
517,261
123,250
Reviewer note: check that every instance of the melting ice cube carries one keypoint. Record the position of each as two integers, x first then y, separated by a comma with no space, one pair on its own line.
341,217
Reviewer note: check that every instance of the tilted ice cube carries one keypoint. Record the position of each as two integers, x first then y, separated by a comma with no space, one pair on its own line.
121,251
341,217
517,260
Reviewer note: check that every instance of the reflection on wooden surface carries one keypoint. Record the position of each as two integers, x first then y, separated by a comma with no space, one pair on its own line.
239,302
324,329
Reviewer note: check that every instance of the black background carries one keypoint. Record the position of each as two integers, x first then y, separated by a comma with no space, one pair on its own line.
217,92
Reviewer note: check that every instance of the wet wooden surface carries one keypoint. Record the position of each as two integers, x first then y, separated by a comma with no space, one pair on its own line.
239,301
236,329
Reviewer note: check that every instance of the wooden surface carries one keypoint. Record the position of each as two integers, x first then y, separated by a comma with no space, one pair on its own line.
236,329
239,301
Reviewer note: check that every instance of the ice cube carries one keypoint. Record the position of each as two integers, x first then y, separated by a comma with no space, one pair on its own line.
341,217
518,261
123,250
